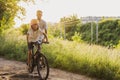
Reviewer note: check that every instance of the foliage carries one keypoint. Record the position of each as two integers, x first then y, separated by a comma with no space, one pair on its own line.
54,29
82,58
13,45
69,25
108,31
8,11
118,45
24,28
77,37
75,57
85,31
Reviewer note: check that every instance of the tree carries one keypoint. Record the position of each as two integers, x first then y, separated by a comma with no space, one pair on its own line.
85,31
69,25
8,11
108,32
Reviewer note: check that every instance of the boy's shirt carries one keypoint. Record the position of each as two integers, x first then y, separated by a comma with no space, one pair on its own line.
35,35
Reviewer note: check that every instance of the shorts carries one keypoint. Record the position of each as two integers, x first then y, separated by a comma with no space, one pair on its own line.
30,45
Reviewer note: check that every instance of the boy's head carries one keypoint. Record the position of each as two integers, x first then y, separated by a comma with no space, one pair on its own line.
39,14
34,24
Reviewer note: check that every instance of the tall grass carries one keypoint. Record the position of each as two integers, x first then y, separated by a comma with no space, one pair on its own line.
81,58
13,46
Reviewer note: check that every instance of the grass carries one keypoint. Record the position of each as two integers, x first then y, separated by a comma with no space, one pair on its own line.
12,46
81,58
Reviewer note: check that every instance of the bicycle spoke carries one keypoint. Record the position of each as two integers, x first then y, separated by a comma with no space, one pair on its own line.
43,69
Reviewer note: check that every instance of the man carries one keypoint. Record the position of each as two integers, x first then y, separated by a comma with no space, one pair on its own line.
42,23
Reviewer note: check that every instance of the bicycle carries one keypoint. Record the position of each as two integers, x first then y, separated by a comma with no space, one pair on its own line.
38,59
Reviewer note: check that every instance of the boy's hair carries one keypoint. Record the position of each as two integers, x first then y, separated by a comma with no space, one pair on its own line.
34,21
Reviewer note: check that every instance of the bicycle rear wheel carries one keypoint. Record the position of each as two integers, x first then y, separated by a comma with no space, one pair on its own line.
43,67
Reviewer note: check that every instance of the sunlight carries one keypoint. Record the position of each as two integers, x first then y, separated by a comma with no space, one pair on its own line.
53,10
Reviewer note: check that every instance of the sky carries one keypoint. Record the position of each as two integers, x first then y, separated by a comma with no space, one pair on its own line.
53,10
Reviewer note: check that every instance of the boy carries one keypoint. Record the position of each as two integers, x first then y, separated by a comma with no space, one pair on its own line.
33,35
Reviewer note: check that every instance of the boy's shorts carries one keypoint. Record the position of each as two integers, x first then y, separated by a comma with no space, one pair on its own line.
30,45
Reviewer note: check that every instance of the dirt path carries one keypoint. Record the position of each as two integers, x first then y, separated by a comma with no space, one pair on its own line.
14,70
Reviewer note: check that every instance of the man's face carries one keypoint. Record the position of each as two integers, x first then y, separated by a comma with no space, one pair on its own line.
39,15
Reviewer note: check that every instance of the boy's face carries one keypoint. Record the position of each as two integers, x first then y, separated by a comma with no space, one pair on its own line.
34,27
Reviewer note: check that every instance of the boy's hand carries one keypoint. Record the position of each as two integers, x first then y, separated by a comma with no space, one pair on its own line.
47,42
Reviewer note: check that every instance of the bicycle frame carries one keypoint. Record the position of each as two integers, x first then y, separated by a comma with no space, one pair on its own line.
37,56
35,53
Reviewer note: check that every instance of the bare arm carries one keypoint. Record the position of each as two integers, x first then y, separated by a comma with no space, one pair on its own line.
45,37
46,31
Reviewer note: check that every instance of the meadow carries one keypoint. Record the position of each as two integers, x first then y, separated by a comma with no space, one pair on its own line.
81,58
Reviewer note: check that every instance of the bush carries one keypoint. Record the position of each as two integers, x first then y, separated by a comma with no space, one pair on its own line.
24,28
77,37
13,46
85,32
108,31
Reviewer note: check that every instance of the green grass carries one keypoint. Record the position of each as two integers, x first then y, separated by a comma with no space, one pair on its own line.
81,58
13,46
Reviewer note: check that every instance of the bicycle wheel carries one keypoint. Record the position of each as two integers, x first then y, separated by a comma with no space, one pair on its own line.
43,67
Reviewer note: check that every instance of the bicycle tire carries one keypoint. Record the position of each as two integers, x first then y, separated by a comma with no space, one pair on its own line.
40,67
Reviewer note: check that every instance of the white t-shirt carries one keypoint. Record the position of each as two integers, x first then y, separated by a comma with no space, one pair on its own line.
42,25
35,35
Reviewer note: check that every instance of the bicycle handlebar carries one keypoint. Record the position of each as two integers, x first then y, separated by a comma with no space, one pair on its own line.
39,42
46,42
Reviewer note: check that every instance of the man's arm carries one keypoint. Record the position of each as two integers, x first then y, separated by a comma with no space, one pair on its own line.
45,31
45,27
45,37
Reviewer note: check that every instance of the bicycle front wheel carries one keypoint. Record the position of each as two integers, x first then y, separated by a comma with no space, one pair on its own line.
43,67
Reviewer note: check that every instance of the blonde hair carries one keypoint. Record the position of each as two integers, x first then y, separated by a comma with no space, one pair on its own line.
34,21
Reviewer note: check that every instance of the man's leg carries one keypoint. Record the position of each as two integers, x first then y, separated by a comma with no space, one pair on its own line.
29,53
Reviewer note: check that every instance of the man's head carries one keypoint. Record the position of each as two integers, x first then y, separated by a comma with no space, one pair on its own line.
34,24
39,14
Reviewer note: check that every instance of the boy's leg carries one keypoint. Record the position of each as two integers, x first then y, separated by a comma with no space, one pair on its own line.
29,56
29,52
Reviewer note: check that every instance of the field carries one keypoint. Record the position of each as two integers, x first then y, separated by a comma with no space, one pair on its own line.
81,58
